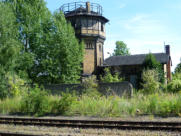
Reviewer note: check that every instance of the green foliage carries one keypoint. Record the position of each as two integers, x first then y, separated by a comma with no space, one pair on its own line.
178,68
160,104
90,86
36,45
121,49
62,61
150,81
49,52
150,62
10,105
35,102
109,78
9,49
176,76
175,85
63,105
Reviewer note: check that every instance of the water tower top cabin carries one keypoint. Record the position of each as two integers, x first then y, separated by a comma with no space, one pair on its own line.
89,24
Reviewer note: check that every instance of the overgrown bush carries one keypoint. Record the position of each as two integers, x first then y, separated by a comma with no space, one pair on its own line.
63,105
35,102
150,62
109,78
178,68
10,105
175,85
90,86
150,81
11,85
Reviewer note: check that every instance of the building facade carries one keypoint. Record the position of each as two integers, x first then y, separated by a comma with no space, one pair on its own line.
89,25
131,67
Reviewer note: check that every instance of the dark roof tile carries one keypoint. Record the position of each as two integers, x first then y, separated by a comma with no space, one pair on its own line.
134,59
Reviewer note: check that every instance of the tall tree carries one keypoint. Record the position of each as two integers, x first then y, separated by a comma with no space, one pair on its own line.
51,53
9,46
61,58
121,49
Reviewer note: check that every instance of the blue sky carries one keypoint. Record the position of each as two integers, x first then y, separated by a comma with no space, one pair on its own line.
144,25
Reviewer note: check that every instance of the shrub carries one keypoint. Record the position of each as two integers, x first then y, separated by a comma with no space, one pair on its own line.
11,85
174,86
150,81
177,76
90,86
150,62
108,77
63,105
35,102
178,68
10,105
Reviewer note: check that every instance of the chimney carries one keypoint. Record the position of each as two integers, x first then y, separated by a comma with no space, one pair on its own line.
167,49
169,63
88,8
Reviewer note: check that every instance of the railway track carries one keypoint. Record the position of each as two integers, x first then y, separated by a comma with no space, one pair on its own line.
16,134
124,125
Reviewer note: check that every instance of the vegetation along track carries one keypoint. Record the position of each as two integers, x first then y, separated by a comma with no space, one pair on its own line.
98,124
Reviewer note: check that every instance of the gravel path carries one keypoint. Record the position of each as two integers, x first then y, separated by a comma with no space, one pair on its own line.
54,131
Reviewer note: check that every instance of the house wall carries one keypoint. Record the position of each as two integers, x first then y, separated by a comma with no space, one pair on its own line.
132,73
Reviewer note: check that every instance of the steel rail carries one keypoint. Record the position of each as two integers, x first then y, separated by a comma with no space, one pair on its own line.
16,134
100,124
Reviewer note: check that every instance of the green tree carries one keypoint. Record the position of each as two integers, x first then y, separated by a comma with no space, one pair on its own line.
62,57
121,49
9,47
178,68
150,62
30,17
51,53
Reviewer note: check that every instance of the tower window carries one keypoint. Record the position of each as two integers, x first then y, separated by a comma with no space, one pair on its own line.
89,45
100,61
100,49
102,27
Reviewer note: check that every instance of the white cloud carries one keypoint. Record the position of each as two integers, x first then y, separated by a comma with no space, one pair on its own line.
143,24
144,33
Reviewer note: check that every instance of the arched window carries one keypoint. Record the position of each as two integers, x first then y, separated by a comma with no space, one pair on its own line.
100,48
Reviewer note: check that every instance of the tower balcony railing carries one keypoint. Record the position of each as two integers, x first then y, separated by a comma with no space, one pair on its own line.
81,8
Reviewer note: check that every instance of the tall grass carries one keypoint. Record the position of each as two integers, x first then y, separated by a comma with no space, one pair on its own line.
10,105
162,104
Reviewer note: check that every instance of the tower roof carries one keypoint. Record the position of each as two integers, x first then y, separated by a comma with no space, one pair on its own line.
83,9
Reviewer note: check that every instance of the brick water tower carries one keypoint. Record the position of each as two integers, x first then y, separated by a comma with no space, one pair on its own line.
89,24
